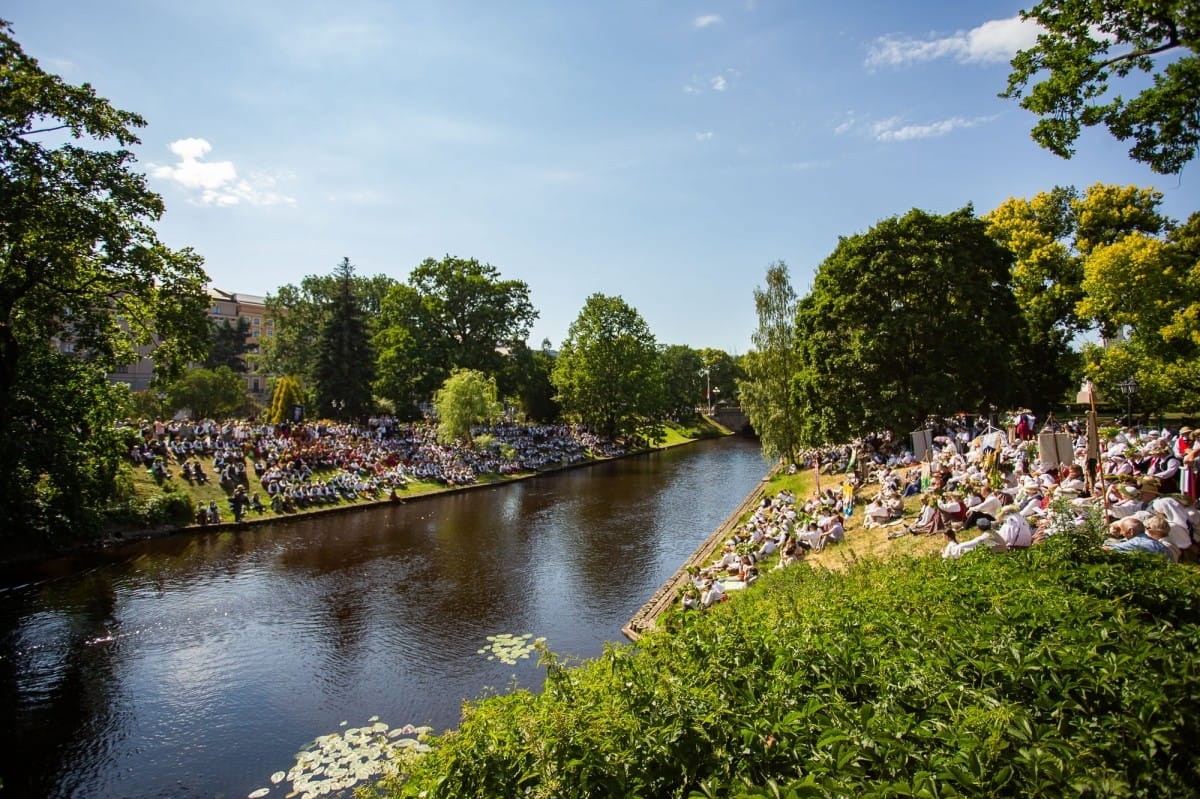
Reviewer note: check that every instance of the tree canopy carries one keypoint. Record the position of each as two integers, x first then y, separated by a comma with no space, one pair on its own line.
766,393
300,311
608,373
344,362
454,313
912,318
83,280
1084,46
229,345
467,397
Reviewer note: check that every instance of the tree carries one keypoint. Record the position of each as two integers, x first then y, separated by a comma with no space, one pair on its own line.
683,381
229,345
912,318
1046,277
767,395
464,316
300,311
467,397
344,360
208,393
287,394
724,373
527,372
1142,293
80,268
607,372
1083,45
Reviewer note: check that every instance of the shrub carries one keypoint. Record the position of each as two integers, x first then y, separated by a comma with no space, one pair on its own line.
1032,673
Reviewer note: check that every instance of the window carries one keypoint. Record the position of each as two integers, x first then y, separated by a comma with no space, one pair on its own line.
270,333
257,321
270,323
217,310
255,334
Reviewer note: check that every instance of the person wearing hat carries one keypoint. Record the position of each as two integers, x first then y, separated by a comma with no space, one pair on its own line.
987,538
1188,449
1164,467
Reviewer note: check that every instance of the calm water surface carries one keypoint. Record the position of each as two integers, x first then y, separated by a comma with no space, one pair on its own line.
198,665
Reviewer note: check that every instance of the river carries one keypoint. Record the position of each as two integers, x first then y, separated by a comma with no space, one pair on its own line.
198,665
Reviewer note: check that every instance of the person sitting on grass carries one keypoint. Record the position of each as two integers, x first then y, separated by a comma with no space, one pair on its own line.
986,538
1133,538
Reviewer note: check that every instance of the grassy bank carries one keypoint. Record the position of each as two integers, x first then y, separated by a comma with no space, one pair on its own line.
1060,670
158,505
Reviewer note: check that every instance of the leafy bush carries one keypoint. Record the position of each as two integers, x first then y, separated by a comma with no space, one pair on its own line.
1032,673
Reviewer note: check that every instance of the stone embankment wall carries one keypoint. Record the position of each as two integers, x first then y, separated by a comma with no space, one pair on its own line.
644,620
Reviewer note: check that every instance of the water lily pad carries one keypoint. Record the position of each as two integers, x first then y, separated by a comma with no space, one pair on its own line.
258,794
277,777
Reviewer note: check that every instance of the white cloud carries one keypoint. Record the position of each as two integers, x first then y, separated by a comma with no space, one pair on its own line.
894,129
996,40
704,136
706,20
217,182
718,83
846,126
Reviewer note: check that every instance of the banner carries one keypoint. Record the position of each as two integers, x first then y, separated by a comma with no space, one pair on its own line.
1055,450
922,441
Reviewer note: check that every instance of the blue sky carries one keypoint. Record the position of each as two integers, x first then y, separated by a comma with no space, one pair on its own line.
666,152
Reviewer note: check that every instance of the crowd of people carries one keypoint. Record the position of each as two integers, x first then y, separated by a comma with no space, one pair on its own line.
979,486
307,465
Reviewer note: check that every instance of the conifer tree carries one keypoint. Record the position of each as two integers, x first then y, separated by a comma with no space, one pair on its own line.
345,363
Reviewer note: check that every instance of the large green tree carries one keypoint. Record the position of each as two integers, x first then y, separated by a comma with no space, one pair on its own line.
301,311
912,318
1086,44
83,280
1046,277
767,393
608,373
343,357
683,381
454,313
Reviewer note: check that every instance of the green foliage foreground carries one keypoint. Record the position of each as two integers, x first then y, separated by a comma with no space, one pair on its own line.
1057,671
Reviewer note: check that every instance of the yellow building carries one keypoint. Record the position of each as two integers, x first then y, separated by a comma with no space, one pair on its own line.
229,307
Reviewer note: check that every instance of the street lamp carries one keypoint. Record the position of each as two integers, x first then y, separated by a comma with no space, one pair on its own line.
337,405
162,398
707,372
1128,387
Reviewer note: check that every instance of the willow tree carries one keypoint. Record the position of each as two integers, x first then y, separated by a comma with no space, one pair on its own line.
766,392
468,397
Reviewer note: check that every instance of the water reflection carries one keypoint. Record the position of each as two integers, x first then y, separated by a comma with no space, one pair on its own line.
197,666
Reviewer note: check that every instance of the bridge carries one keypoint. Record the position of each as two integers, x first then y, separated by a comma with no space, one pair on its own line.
734,418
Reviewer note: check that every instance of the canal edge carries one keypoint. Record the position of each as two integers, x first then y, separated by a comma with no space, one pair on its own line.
644,620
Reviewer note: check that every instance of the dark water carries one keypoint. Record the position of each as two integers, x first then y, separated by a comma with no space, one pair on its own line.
196,666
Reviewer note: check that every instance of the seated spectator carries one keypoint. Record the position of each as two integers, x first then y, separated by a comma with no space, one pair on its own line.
986,538
1133,538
